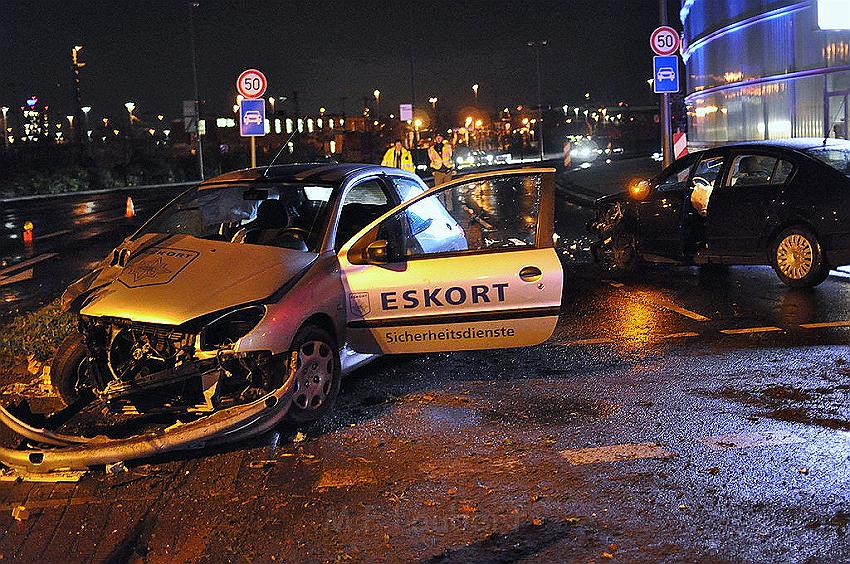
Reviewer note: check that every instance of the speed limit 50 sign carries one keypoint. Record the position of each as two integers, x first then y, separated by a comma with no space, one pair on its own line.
251,84
664,40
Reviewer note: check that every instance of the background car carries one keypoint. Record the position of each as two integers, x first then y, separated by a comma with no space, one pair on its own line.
780,203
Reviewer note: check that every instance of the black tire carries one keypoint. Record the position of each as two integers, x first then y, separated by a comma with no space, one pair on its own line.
797,258
67,371
317,381
619,257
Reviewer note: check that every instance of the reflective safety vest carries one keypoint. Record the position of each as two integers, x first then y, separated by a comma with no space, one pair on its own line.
442,160
406,159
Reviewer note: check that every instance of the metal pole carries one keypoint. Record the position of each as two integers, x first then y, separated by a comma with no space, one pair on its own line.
253,152
5,110
537,45
198,137
666,133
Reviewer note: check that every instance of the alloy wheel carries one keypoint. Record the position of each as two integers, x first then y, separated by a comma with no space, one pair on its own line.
795,256
314,374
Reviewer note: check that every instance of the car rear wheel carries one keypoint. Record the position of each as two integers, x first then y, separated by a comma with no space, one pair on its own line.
314,356
797,258
68,369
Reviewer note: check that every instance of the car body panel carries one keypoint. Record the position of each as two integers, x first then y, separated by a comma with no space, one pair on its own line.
183,278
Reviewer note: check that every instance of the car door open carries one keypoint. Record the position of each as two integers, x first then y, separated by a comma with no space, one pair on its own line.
467,265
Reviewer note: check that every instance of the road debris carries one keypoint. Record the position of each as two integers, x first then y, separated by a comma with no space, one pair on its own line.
20,513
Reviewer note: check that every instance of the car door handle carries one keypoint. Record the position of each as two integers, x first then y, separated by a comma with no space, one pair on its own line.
530,274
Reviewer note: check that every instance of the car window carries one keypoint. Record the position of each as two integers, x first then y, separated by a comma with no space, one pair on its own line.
407,188
782,172
751,170
836,157
485,214
363,204
675,177
267,214
704,179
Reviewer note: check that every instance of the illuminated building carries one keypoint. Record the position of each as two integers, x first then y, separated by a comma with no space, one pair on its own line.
766,69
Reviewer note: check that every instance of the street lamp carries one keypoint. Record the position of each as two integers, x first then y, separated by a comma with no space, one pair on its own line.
130,107
433,101
86,110
5,110
377,95
475,92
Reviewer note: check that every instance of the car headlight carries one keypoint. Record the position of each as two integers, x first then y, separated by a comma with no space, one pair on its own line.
231,326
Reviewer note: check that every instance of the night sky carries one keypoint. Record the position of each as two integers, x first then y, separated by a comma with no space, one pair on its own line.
139,51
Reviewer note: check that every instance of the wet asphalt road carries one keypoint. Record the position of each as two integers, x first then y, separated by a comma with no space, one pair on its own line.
684,415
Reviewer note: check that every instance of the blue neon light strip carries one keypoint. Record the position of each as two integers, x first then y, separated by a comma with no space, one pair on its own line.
737,26
775,78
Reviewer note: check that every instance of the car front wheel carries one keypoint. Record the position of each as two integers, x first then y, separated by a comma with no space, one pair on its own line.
314,356
68,369
798,259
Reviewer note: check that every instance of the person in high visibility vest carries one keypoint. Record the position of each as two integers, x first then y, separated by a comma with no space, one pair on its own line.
398,156
442,165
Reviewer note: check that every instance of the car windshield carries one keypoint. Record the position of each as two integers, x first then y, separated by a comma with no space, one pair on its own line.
290,215
836,157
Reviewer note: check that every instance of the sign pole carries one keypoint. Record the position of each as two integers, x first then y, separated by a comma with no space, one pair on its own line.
666,129
253,152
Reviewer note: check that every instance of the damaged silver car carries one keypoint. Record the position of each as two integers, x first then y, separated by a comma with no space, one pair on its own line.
247,298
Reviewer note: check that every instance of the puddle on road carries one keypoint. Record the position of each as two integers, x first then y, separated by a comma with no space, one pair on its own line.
547,410
824,406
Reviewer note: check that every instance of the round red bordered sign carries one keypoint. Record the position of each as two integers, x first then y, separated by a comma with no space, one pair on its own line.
665,40
251,83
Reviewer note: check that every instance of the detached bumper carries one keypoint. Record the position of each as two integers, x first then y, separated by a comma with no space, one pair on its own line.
68,452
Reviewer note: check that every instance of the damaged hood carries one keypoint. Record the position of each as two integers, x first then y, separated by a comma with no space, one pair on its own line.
179,278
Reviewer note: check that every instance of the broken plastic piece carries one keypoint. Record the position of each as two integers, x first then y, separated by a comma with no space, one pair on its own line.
20,513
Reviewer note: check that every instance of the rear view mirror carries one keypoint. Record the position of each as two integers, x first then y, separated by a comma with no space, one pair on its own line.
376,252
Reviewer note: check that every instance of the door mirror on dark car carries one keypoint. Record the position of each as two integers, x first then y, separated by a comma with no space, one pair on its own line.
376,252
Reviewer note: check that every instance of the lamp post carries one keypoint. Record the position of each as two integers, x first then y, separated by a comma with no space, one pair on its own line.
192,5
475,93
76,67
130,107
377,95
5,111
86,110
537,45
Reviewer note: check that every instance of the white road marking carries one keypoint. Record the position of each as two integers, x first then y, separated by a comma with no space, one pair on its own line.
53,234
27,262
748,330
20,277
681,335
686,312
750,440
825,324
615,453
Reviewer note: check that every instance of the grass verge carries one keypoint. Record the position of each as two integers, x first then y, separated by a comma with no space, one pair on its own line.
37,333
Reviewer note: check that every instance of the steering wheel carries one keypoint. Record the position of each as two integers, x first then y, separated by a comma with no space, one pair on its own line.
704,183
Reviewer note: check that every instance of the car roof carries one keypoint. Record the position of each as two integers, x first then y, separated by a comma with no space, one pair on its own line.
323,173
798,143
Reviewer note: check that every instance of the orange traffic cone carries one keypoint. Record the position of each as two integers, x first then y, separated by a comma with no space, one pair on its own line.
28,227
130,210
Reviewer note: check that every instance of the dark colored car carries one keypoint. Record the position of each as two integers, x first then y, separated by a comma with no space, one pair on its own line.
780,203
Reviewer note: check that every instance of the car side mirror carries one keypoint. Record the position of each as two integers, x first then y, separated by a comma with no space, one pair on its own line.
377,252
639,190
